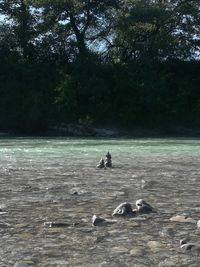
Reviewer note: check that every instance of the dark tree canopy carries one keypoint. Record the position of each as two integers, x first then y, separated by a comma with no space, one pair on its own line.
124,63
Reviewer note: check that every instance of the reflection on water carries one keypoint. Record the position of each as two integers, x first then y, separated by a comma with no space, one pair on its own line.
44,180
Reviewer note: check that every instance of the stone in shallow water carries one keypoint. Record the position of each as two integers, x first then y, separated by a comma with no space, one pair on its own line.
175,261
132,223
155,246
24,236
166,232
182,218
4,225
198,224
23,264
136,252
167,263
56,224
120,249
96,220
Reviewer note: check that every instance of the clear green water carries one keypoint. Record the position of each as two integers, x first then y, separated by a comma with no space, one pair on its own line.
76,147
37,181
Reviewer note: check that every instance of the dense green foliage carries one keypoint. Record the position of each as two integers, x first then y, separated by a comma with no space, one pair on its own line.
124,63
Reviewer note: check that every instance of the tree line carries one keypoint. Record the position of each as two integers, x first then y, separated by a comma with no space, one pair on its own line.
123,63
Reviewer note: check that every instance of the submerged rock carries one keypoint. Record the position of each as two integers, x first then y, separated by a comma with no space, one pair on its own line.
136,252
168,263
96,220
56,224
155,245
182,218
3,212
119,249
4,225
143,207
23,264
166,232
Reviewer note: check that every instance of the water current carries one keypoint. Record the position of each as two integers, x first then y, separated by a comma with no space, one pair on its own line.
56,180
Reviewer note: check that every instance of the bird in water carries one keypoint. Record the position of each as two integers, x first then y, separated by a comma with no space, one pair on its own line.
125,208
143,207
108,160
188,246
101,164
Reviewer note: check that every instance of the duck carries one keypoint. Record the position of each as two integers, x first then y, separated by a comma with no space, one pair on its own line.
108,160
125,208
143,207
101,164
108,155
189,246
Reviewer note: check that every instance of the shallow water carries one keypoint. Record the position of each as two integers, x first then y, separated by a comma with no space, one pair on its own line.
57,180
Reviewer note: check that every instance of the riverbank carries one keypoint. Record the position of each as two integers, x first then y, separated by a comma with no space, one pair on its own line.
77,130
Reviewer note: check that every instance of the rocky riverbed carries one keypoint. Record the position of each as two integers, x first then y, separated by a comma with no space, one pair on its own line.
56,180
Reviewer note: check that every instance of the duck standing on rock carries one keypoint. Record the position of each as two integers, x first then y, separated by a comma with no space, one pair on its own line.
108,160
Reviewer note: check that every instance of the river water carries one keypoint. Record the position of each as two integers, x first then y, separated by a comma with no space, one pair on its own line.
56,180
